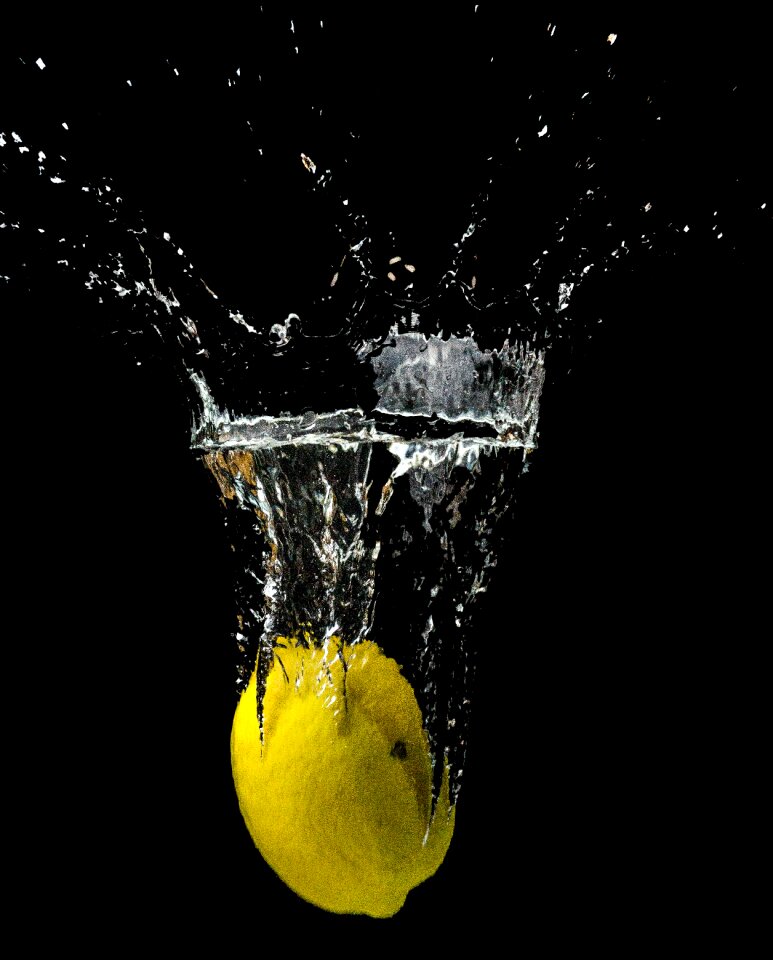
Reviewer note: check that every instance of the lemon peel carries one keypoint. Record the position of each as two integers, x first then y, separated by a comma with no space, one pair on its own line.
338,797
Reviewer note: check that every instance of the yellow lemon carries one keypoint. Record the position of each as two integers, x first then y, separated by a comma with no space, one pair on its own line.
338,796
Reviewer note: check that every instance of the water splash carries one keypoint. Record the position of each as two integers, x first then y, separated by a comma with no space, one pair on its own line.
591,173
334,498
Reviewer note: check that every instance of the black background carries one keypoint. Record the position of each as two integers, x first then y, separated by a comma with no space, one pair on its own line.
611,751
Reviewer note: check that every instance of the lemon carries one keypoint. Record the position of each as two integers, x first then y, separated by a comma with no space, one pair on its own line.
338,797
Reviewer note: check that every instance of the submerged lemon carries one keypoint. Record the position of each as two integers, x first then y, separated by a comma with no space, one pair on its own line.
338,797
